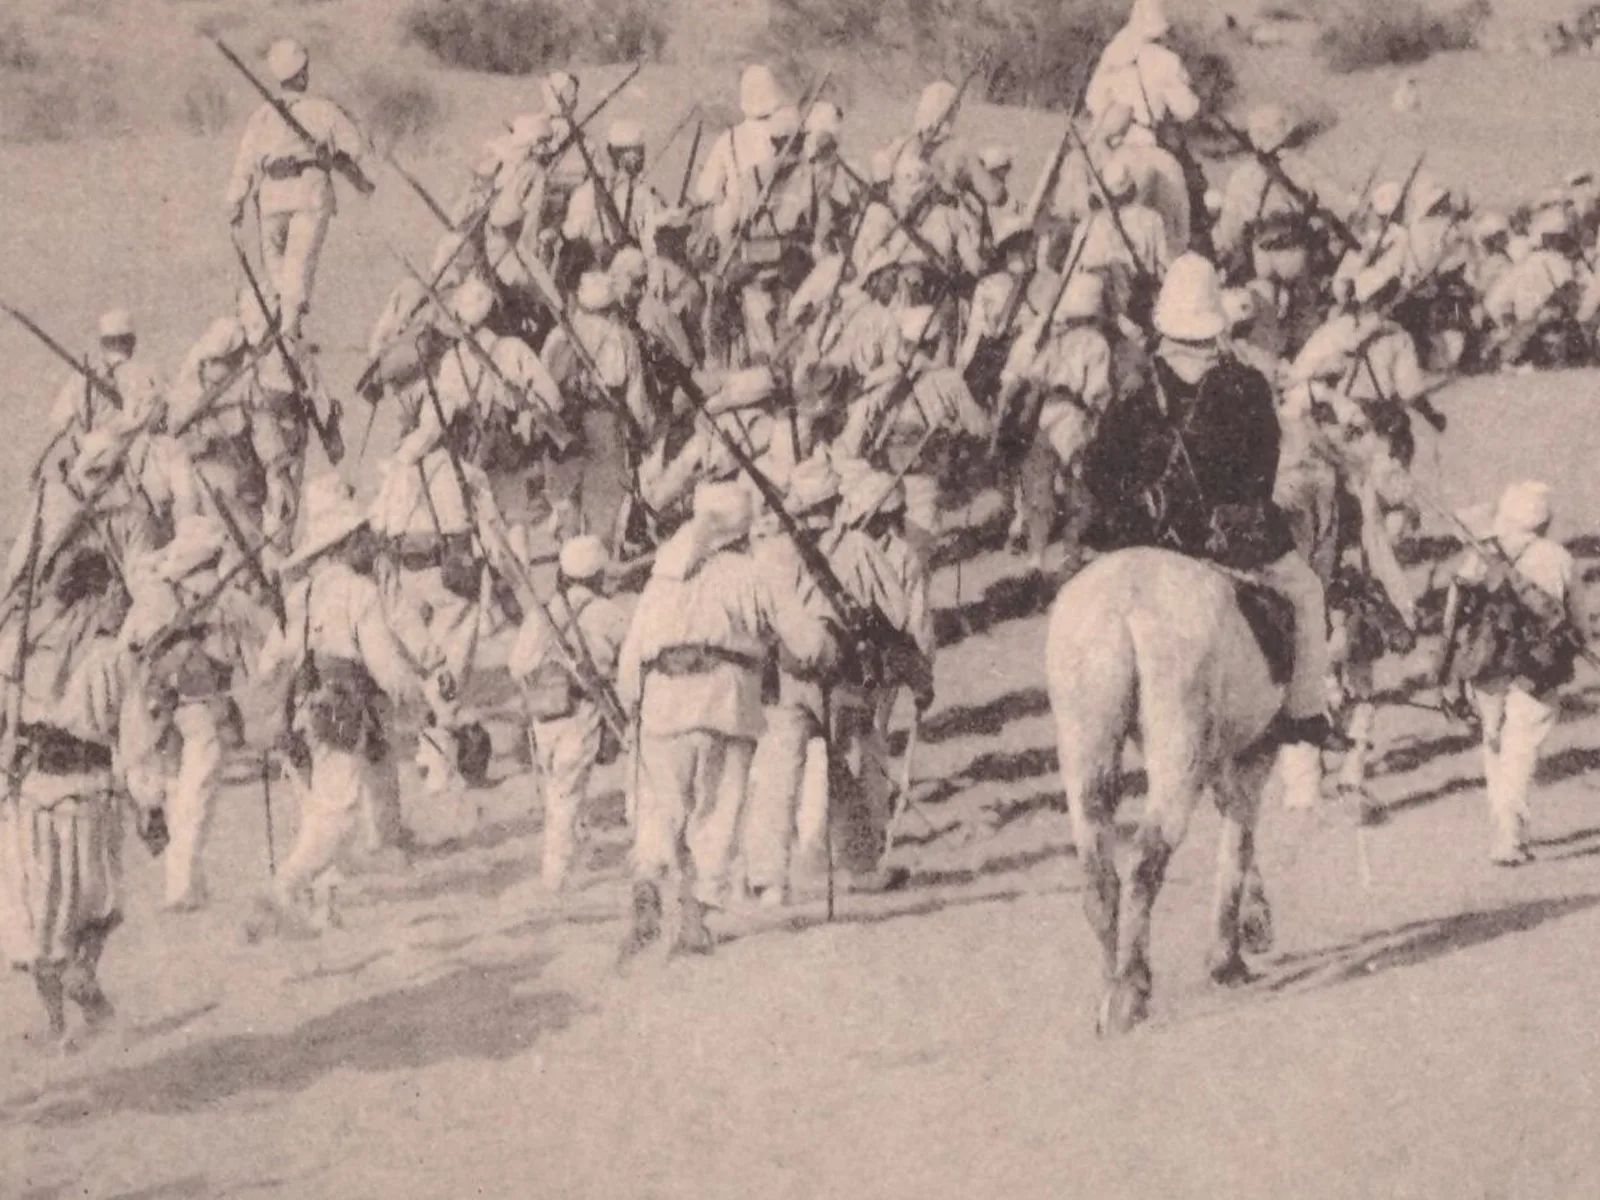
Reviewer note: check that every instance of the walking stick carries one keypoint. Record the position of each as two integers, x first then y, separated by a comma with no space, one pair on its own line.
266,795
827,808
902,802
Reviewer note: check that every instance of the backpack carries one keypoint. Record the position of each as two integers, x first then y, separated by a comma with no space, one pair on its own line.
1505,633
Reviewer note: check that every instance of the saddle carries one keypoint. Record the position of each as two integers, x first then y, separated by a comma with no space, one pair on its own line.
1271,619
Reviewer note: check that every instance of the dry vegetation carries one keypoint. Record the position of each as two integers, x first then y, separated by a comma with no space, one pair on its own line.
1358,34
1034,53
520,37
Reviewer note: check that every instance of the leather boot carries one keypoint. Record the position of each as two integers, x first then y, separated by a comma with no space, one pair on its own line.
646,928
693,936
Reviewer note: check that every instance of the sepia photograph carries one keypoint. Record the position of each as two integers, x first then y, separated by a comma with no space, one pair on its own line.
799,599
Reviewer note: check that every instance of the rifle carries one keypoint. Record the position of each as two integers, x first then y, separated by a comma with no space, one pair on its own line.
474,223
866,626
688,167
327,432
1308,203
548,423
337,161
86,510
252,558
91,377
19,662
1111,205
1376,248
1492,551
186,622
907,223
422,192
780,164
605,699
1036,207
552,296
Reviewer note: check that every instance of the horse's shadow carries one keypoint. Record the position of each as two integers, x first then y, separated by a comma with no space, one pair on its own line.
1412,944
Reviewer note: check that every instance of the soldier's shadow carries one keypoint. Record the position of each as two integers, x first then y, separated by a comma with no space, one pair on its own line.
489,1012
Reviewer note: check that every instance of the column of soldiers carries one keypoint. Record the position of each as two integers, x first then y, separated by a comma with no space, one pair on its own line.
773,383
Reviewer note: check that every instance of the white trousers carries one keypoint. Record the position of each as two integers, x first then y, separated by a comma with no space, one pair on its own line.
689,802
565,750
1515,726
291,244
190,798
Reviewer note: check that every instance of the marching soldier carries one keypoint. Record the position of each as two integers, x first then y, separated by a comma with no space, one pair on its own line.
218,441
1515,579
635,202
799,713
85,742
933,125
346,673
567,729
1061,389
285,394
80,408
877,566
690,674
672,285
437,502
916,423
1136,70
189,674
603,380
739,159
291,180
1125,241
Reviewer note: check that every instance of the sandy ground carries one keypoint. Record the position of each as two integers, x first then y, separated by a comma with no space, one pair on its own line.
1420,1030
1423,1028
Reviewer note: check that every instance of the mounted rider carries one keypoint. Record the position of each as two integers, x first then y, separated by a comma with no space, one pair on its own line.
1188,461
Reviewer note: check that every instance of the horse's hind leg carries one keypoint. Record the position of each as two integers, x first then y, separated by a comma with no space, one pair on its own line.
1173,766
1241,913
1092,805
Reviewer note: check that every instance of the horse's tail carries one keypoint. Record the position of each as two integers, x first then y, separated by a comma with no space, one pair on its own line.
1094,685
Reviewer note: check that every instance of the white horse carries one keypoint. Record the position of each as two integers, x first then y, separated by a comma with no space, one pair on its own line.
1146,643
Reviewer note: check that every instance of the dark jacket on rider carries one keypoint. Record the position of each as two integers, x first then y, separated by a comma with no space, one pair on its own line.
1190,467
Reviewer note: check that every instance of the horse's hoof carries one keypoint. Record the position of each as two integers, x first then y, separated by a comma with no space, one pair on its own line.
1229,970
1123,1009
1255,927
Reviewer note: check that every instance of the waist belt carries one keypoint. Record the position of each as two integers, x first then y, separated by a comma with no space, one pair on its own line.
677,661
289,168
54,751
424,551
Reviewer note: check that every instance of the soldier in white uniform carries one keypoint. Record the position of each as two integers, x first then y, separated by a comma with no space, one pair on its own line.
567,729
690,674
292,181
191,677
80,408
1517,710
83,735
349,672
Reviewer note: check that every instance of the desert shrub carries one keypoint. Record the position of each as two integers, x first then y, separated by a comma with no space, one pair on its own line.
1037,53
1357,35
17,51
397,107
204,107
827,24
519,37
58,101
